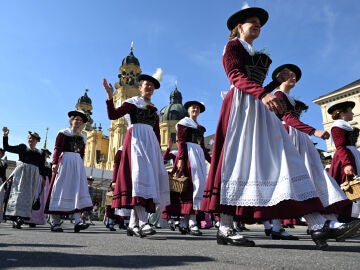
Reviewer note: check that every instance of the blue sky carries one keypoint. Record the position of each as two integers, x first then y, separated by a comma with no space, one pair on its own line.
51,51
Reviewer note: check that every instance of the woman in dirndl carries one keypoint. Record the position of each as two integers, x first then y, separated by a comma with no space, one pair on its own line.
25,178
256,172
69,192
332,197
142,182
190,162
38,217
346,160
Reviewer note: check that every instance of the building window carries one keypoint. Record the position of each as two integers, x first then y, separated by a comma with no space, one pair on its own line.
173,137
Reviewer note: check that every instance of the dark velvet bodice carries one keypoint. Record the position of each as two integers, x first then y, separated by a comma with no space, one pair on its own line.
196,135
257,66
74,144
144,116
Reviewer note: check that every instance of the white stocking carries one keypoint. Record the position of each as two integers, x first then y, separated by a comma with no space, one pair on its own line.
141,214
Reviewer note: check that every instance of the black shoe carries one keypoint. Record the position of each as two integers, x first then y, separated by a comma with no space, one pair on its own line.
238,228
171,225
194,230
111,228
56,228
122,225
17,223
280,236
148,231
133,231
268,232
344,231
32,225
80,226
231,239
183,230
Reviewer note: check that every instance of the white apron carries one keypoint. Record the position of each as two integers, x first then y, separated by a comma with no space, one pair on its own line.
262,166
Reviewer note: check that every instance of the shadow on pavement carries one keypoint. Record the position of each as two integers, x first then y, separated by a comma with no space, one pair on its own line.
11,259
332,247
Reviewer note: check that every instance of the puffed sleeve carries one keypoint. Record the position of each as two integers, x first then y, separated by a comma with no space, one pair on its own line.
116,113
182,148
291,119
58,149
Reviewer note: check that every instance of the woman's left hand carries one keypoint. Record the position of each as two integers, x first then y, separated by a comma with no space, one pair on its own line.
180,166
54,168
273,103
322,134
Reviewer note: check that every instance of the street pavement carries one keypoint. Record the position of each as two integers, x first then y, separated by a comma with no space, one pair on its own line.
98,248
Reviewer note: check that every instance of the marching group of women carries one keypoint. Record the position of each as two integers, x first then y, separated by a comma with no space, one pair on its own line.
35,190
263,166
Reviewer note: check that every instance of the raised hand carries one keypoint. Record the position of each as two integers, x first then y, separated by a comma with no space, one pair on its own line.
108,88
5,131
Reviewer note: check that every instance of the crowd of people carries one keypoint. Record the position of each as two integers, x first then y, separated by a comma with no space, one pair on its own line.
263,166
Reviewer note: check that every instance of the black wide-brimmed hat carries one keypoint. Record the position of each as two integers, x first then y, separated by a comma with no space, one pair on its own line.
341,106
79,113
35,135
292,67
242,15
192,102
145,77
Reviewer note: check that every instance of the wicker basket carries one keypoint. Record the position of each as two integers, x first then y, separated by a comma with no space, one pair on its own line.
352,188
178,184
109,197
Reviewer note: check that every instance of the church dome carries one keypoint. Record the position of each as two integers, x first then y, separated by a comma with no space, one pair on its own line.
130,59
175,110
85,98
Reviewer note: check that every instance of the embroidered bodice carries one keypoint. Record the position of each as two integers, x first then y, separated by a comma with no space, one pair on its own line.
146,115
257,66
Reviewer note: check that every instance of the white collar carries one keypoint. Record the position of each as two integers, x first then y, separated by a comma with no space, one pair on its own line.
342,124
290,99
248,47
69,132
187,121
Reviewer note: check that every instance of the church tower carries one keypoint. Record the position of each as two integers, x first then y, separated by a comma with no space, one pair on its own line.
85,104
169,116
125,88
